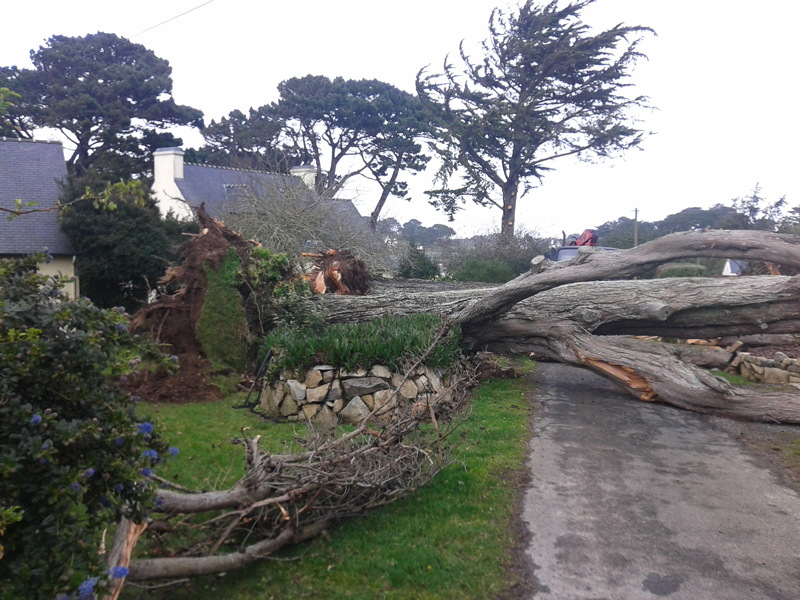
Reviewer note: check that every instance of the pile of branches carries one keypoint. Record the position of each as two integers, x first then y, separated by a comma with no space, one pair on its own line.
288,498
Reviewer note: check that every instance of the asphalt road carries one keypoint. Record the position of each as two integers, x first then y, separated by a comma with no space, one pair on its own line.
631,500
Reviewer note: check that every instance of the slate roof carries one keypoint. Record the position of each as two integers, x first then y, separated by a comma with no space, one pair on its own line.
31,171
217,185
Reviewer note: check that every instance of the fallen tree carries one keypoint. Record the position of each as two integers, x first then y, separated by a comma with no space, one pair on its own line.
568,312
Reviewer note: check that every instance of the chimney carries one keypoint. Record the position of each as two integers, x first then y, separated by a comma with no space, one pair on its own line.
168,164
307,174
167,168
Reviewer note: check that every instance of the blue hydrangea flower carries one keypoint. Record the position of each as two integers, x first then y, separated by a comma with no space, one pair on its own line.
76,487
174,451
146,472
121,327
158,502
118,488
145,428
150,454
85,589
89,472
45,446
173,358
118,442
118,572
35,420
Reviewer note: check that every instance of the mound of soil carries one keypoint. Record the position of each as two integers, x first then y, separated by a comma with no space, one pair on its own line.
189,384
172,319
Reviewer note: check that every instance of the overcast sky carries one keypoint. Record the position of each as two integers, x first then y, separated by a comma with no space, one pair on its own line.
720,75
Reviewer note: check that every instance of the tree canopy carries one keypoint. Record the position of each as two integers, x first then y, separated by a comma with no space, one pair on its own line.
547,87
343,128
108,96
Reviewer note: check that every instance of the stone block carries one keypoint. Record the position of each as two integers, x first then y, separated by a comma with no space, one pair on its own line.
794,379
380,371
422,383
383,398
309,411
324,418
408,390
434,378
793,369
355,411
369,400
773,375
327,376
338,405
316,394
396,379
313,379
788,362
334,390
270,403
779,357
289,406
297,390
363,385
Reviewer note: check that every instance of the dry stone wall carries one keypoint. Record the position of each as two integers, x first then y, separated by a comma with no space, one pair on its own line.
324,394
779,369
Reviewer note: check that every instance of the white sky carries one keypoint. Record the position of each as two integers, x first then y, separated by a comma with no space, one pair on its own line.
721,75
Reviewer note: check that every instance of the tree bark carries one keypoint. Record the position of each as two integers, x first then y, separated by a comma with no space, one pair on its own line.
684,308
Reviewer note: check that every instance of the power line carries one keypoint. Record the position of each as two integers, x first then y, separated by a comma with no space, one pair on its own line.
172,19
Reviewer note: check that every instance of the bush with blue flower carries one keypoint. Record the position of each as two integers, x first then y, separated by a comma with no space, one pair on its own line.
74,456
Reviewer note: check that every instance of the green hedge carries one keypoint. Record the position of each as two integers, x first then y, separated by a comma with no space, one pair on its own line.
681,270
386,341
486,271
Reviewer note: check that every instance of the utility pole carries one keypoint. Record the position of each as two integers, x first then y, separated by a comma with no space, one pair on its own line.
635,227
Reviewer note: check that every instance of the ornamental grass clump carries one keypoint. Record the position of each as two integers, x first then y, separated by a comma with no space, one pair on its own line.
386,341
74,458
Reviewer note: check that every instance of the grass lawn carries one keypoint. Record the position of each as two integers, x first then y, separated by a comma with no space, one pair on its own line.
450,540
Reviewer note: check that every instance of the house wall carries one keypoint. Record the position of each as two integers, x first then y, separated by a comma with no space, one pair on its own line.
65,266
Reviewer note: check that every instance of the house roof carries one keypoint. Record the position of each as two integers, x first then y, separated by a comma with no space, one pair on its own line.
217,185
218,188
31,171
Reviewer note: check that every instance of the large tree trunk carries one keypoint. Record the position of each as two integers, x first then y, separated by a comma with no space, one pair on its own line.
557,307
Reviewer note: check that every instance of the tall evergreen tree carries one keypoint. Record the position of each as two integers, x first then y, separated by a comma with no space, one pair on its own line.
111,98
547,87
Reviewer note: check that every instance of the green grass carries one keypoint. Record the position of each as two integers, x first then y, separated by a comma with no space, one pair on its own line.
385,341
449,540
733,378
202,432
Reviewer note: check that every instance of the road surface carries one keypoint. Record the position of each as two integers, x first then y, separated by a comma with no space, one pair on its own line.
632,500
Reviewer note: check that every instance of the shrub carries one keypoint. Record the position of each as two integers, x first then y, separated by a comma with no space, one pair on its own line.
515,253
416,264
487,271
73,456
388,341
681,270
222,327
